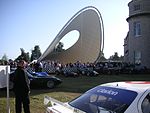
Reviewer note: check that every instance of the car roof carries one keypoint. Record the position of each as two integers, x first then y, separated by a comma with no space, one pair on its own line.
137,86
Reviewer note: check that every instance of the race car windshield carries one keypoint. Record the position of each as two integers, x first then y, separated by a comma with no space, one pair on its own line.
103,99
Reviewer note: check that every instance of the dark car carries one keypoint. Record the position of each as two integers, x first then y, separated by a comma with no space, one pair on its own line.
38,80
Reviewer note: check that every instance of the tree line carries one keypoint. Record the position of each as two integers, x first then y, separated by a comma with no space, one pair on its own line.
36,53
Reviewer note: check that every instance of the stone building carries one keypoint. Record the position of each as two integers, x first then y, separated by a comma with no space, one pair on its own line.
137,41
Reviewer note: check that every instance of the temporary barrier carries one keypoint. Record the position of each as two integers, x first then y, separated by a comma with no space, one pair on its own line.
4,82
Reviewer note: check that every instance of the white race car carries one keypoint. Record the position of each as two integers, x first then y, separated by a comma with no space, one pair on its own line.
115,97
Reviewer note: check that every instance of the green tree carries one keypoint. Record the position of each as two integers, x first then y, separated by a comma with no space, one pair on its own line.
59,47
4,58
114,57
36,53
24,56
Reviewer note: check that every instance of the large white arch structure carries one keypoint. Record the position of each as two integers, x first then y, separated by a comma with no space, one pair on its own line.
88,21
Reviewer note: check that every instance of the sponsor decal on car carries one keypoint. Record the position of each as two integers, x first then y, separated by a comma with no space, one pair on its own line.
110,92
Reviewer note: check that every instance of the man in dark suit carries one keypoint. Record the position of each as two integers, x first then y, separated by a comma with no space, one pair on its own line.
21,88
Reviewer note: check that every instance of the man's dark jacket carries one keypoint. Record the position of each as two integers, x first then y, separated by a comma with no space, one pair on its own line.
21,82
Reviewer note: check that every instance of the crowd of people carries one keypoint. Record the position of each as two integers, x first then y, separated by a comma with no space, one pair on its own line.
78,68
93,69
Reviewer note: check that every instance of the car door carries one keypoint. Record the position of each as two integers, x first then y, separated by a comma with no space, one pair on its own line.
144,103
34,82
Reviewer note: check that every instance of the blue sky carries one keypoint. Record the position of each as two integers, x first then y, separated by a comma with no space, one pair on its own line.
26,23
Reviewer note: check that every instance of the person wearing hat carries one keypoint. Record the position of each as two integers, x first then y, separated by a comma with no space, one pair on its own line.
21,88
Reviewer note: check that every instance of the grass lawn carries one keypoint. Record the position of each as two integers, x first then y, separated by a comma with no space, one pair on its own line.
68,90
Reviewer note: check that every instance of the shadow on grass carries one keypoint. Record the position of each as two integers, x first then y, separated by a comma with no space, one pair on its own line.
82,84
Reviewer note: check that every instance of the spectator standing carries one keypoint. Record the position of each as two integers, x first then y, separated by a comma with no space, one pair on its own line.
21,88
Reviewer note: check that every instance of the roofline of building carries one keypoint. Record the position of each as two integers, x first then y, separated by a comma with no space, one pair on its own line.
139,14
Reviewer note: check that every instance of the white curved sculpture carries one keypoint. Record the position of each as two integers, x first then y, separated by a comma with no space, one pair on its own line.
88,22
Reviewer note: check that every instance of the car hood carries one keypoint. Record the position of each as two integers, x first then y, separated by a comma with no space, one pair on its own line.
41,74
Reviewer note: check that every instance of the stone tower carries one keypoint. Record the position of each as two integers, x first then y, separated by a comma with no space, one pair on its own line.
137,42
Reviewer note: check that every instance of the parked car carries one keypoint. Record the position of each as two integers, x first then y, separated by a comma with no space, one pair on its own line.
88,71
39,79
115,97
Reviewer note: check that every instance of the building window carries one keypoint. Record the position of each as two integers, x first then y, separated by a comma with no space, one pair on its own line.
137,57
137,7
137,29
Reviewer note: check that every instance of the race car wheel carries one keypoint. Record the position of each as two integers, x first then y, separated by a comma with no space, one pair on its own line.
50,84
